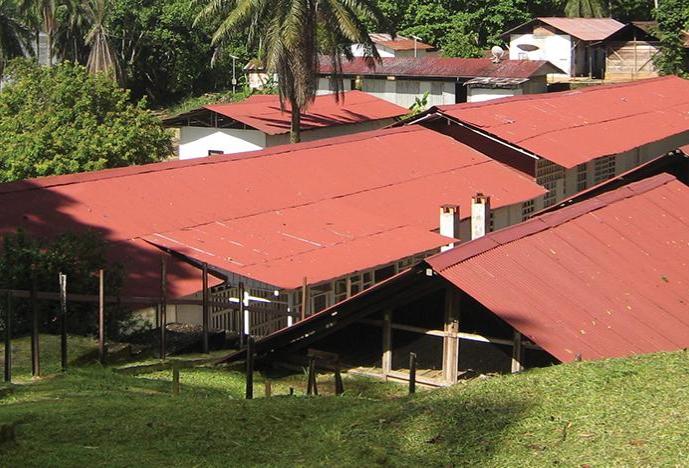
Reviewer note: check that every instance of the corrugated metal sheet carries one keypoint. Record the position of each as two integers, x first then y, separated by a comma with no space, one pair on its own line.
319,209
441,67
603,278
586,29
574,127
263,112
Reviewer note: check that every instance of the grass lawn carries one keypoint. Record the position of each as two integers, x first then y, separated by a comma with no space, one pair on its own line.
619,412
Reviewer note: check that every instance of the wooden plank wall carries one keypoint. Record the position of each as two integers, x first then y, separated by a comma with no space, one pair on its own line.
630,60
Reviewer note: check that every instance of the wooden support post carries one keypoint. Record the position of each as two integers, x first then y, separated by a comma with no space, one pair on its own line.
63,320
339,385
8,339
101,316
517,353
387,342
175,380
241,314
249,367
311,386
268,388
163,305
35,346
451,338
348,286
204,307
304,298
412,373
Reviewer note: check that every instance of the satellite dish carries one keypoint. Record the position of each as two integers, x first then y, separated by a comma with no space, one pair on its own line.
497,53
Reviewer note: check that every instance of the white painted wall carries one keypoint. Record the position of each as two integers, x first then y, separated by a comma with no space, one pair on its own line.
359,51
556,48
195,142
487,94
329,132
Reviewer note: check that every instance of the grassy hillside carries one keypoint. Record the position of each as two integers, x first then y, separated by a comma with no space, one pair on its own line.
619,412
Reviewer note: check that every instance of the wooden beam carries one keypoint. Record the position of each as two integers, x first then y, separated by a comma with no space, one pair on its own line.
204,307
35,346
517,353
304,298
163,305
412,373
101,317
387,342
8,339
451,338
62,279
240,291
250,355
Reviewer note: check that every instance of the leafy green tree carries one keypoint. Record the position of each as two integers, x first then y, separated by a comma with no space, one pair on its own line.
163,57
585,9
673,20
293,33
62,120
15,37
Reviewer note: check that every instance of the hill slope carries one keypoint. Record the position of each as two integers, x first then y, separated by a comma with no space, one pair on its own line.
627,411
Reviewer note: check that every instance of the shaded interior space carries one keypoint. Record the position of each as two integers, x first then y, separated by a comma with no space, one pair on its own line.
451,335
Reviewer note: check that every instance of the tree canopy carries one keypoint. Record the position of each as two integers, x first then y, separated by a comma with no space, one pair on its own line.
61,119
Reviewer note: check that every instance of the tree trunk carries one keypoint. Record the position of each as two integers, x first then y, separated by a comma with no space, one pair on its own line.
295,130
50,49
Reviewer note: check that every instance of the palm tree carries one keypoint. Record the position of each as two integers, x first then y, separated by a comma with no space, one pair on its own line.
42,16
14,36
585,9
102,58
292,34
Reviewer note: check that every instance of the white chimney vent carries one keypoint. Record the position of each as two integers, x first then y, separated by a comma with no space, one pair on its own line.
480,216
449,224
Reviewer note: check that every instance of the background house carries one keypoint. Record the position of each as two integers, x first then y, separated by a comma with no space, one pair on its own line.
446,80
574,45
399,46
259,122
629,52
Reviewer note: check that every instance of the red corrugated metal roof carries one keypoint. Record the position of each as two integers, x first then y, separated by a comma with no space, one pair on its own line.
574,127
441,67
263,112
586,29
320,209
602,278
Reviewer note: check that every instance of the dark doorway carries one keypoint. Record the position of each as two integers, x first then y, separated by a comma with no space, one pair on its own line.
460,92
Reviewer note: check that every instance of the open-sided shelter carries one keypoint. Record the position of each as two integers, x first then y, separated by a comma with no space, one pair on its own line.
603,277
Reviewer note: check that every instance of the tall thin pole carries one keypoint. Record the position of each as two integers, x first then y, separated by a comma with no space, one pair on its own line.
249,367
35,347
304,298
163,305
101,316
8,339
63,320
204,282
241,314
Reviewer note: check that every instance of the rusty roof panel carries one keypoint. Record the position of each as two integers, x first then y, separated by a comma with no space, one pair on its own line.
574,127
263,112
441,67
609,280
586,29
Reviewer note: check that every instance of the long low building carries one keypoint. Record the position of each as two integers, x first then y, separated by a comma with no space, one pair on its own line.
446,80
335,215
604,277
260,122
572,140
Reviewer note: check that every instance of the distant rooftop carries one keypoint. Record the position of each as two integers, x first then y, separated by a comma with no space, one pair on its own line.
441,67
398,42
263,112
586,29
